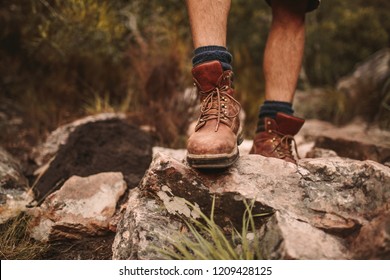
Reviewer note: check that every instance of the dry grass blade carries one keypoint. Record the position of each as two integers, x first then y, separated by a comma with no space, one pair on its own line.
15,241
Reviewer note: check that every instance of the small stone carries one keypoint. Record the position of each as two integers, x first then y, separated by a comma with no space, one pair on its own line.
84,206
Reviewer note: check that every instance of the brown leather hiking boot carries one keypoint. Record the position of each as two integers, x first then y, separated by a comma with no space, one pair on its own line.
217,133
277,138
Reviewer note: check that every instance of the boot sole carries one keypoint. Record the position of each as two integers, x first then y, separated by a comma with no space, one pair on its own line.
216,161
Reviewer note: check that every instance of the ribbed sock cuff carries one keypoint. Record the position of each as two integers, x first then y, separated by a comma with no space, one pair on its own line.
269,110
210,53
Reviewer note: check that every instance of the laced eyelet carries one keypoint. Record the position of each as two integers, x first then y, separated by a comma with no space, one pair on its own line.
214,106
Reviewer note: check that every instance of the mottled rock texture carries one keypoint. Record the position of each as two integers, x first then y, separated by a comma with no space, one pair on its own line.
329,208
82,207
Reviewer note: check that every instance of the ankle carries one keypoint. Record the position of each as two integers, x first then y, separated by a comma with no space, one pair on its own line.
210,53
270,109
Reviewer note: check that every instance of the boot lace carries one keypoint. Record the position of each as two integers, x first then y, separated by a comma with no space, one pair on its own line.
214,107
284,147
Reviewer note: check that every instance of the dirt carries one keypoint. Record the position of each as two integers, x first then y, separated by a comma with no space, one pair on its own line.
93,248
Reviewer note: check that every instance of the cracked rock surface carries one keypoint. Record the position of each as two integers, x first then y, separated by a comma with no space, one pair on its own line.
329,208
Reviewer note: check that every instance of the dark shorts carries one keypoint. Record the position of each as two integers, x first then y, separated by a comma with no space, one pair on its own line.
311,5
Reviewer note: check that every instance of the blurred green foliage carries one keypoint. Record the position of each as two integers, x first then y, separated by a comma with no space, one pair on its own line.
341,34
56,54
63,59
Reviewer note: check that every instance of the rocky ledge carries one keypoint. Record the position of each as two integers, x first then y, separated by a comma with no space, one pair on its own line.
331,208
96,178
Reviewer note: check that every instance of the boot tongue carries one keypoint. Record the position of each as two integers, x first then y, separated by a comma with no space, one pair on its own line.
288,125
207,75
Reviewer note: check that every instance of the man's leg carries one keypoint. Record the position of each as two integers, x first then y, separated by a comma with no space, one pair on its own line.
208,21
213,144
282,63
284,49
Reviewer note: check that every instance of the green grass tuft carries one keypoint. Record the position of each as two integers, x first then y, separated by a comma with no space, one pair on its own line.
207,241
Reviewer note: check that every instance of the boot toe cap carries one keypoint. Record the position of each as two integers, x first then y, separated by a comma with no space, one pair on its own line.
211,143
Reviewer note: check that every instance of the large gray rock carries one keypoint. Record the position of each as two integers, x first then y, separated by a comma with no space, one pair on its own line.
110,145
364,93
367,88
356,140
286,237
368,77
82,207
15,193
43,153
319,208
145,220
373,241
